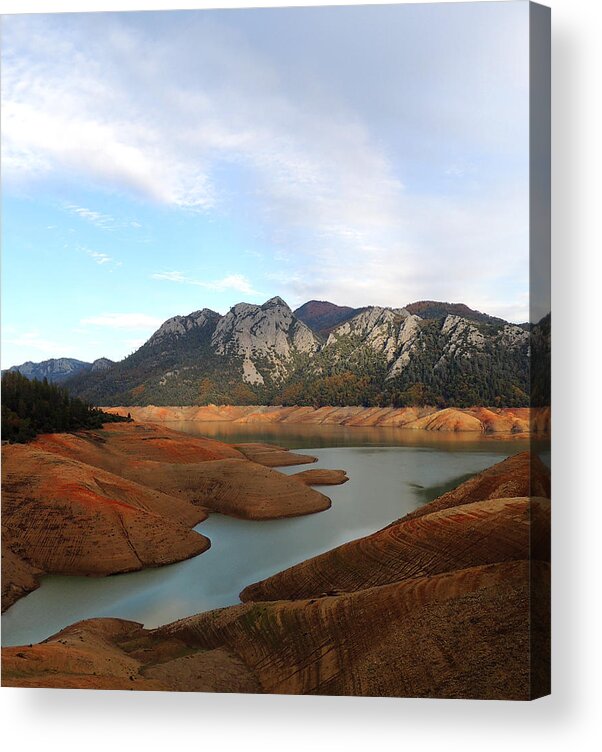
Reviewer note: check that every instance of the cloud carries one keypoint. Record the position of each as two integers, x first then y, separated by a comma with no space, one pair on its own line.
236,282
123,321
85,112
100,258
385,166
99,219
170,276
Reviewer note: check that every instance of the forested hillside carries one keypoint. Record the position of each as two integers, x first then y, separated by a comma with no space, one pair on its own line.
33,407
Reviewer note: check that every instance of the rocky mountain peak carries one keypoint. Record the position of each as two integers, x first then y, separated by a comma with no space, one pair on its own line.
56,370
320,352
274,302
180,325
269,333
101,364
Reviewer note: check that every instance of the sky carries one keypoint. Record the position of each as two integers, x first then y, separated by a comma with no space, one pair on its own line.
157,163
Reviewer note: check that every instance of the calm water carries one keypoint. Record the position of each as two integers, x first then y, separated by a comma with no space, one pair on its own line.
299,436
385,483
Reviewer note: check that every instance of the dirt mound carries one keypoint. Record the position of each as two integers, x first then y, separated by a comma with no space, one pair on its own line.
273,456
321,477
61,516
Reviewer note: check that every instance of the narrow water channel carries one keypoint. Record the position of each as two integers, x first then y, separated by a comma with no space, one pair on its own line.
385,483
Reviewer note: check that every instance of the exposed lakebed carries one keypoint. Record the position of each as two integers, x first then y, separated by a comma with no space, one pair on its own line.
385,483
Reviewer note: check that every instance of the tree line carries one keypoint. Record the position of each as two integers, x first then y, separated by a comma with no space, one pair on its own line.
30,407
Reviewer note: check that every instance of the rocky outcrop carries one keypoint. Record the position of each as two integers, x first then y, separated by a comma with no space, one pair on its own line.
269,334
178,326
57,370
269,353
500,421
392,332
101,364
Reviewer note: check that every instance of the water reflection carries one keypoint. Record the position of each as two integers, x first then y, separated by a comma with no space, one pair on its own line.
300,436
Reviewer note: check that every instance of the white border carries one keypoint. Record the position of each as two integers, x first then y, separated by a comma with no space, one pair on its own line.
73,720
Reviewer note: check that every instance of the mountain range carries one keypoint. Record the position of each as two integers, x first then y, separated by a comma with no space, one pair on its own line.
321,354
58,370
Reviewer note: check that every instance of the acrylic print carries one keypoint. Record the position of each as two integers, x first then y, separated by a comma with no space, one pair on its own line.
275,351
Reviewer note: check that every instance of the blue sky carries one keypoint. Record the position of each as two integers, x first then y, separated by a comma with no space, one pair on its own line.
158,163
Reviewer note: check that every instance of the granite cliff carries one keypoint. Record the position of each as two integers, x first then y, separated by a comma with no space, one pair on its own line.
323,354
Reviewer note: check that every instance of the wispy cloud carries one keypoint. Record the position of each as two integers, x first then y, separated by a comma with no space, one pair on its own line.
122,321
75,114
393,169
236,282
106,221
100,258
170,276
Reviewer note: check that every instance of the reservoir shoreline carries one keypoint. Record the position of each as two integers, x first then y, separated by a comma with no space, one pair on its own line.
506,421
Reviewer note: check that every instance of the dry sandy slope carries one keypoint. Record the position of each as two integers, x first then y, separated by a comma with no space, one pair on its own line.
61,516
212,475
125,497
484,420
465,633
489,518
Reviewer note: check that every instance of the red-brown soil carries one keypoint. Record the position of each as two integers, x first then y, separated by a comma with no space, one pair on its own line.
448,603
221,480
459,634
273,456
61,516
125,497
491,532
321,477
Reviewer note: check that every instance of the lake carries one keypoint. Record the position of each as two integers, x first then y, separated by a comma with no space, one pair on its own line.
391,472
